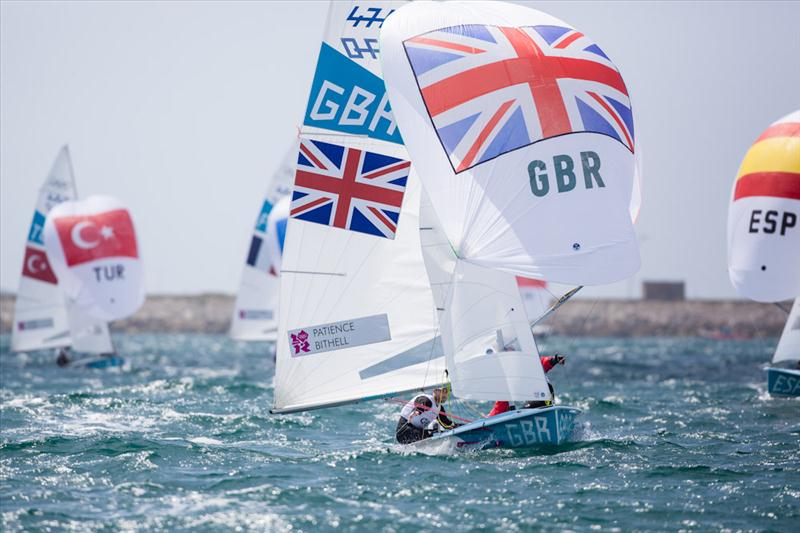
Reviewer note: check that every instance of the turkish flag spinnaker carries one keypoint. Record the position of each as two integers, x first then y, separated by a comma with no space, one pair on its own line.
91,246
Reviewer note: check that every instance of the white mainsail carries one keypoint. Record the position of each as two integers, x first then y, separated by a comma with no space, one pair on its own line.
356,316
257,300
41,317
789,344
528,174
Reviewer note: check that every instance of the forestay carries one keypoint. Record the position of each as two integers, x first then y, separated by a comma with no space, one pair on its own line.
521,129
356,316
40,316
764,216
91,245
257,299
789,345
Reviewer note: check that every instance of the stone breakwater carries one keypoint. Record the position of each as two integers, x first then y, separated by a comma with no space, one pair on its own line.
211,313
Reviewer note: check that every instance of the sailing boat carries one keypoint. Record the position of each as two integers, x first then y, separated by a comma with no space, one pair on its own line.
764,237
521,130
43,319
91,246
257,300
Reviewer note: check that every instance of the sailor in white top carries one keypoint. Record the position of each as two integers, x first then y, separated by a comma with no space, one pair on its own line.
419,413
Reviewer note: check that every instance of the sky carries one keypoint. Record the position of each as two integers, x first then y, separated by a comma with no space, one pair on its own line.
183,109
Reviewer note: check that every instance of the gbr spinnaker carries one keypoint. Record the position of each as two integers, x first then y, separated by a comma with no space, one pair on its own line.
521,130
764,236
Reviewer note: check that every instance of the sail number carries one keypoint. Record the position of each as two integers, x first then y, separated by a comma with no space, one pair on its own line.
772,221
353,109
786,385
526,432
564,173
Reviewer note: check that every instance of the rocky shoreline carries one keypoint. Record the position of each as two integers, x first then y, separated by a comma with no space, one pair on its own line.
211,313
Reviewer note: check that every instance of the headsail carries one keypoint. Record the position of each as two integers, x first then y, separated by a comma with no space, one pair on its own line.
521,130
764,216
91,245
357,318
257,299
789,345
40,317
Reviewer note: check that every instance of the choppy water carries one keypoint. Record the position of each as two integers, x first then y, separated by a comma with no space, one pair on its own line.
676,434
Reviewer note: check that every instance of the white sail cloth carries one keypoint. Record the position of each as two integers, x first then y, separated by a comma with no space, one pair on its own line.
532,181
486,337
40,317
764,216
257,299
356,318
92,247
789,344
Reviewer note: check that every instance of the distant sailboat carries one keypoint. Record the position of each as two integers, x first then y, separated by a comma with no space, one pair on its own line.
526,177
764,237
257,299
92,248
43,319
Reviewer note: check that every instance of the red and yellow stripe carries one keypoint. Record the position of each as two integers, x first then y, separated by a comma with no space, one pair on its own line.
772,165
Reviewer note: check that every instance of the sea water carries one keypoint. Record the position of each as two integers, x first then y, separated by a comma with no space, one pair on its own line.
676,434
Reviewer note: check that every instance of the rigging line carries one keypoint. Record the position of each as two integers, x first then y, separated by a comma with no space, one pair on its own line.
558,303
314,273
780,306
583,324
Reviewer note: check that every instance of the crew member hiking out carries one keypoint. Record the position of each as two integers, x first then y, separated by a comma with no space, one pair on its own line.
547,364
422,416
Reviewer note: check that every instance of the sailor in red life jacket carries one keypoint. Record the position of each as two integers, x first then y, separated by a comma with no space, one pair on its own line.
420,413
547,364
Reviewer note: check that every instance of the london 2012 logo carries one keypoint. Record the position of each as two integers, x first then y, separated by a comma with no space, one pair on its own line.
300,342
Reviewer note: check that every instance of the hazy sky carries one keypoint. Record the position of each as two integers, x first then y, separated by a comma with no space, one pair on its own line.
182,110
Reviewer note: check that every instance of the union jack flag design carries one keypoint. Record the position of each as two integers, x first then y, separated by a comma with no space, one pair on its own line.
490,89
349,188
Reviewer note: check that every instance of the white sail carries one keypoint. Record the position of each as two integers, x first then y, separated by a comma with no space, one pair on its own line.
276,232
549,197
88,334
257,299
91,245
521,130
764,216
535,297
485,333
789,345
357,318
40,316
